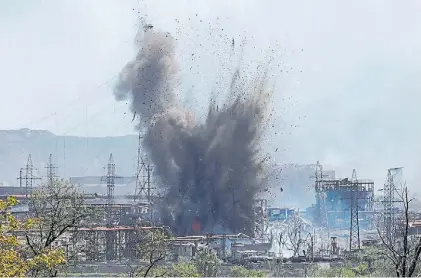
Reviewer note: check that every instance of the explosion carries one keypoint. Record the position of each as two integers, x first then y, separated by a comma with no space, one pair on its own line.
211,172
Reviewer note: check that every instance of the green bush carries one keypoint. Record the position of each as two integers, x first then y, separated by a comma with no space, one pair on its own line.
183,269
240,271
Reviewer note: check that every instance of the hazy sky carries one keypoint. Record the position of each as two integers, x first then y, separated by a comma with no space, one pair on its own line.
347,94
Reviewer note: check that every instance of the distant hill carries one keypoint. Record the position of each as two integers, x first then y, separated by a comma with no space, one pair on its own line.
74,156
87,156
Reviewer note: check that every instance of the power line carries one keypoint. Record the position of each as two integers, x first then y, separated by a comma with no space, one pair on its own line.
78,125
72,112
105,107
82,96
105,146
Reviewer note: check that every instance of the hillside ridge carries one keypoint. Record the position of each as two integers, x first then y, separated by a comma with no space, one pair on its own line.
73,155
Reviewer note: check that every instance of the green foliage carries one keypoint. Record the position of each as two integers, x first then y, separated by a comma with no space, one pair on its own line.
373,262
153,244
207,262
14,259
240,271
152,248
360,270
183,269
59,209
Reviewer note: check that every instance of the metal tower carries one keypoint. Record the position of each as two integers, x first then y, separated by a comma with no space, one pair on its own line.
261,220
110,180
388,205
143,176
324,221
51,171
29,176
110,238
354,230
320,196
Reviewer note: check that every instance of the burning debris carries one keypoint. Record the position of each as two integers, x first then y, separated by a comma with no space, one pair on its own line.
211,172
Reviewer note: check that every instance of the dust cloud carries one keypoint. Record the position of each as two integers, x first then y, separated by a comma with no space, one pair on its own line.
211,171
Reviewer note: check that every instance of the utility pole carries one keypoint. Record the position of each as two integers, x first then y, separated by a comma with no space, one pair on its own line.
28,177
20,178
51,171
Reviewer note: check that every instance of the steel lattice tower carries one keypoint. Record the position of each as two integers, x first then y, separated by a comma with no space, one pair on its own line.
354,231
109,236
51,170
320,196
143,176
110,180
388,198
261,221
29,176
388,205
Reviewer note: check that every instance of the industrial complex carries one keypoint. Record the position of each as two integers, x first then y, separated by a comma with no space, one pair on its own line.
206,184
342,218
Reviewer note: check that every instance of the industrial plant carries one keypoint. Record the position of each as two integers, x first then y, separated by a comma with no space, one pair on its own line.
208,184
342,218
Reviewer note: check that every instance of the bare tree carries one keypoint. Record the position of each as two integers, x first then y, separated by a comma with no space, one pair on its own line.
292,239
405,250
59,209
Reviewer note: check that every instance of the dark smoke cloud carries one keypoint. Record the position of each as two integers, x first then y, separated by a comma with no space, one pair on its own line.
211,172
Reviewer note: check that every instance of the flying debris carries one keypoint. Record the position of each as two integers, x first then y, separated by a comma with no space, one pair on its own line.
146,26
134,116
211,172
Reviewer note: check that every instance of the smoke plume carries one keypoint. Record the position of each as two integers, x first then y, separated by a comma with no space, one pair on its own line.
211,172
